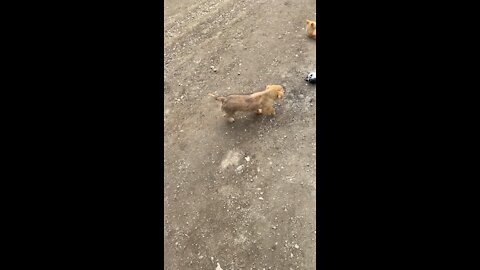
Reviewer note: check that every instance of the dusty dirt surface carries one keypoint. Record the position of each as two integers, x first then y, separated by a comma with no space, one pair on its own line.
238,195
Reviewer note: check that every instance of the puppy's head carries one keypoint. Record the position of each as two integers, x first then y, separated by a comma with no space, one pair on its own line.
277,90
311,77
311,24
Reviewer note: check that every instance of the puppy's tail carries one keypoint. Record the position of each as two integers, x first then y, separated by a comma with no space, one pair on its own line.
222,99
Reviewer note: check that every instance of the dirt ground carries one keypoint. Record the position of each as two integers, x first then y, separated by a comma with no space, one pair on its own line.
238,195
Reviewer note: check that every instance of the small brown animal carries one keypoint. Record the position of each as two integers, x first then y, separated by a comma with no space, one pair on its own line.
259,102
312,29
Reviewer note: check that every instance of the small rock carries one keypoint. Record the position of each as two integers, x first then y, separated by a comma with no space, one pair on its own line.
296,246
240,168
247,158
260,198
218,267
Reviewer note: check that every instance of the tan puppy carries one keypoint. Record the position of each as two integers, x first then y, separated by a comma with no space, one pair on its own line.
260,102
312,29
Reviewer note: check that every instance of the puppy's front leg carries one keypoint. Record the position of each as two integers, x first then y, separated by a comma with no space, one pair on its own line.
229,117
270,111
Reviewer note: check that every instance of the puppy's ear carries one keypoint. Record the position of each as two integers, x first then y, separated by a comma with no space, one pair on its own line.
311,24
